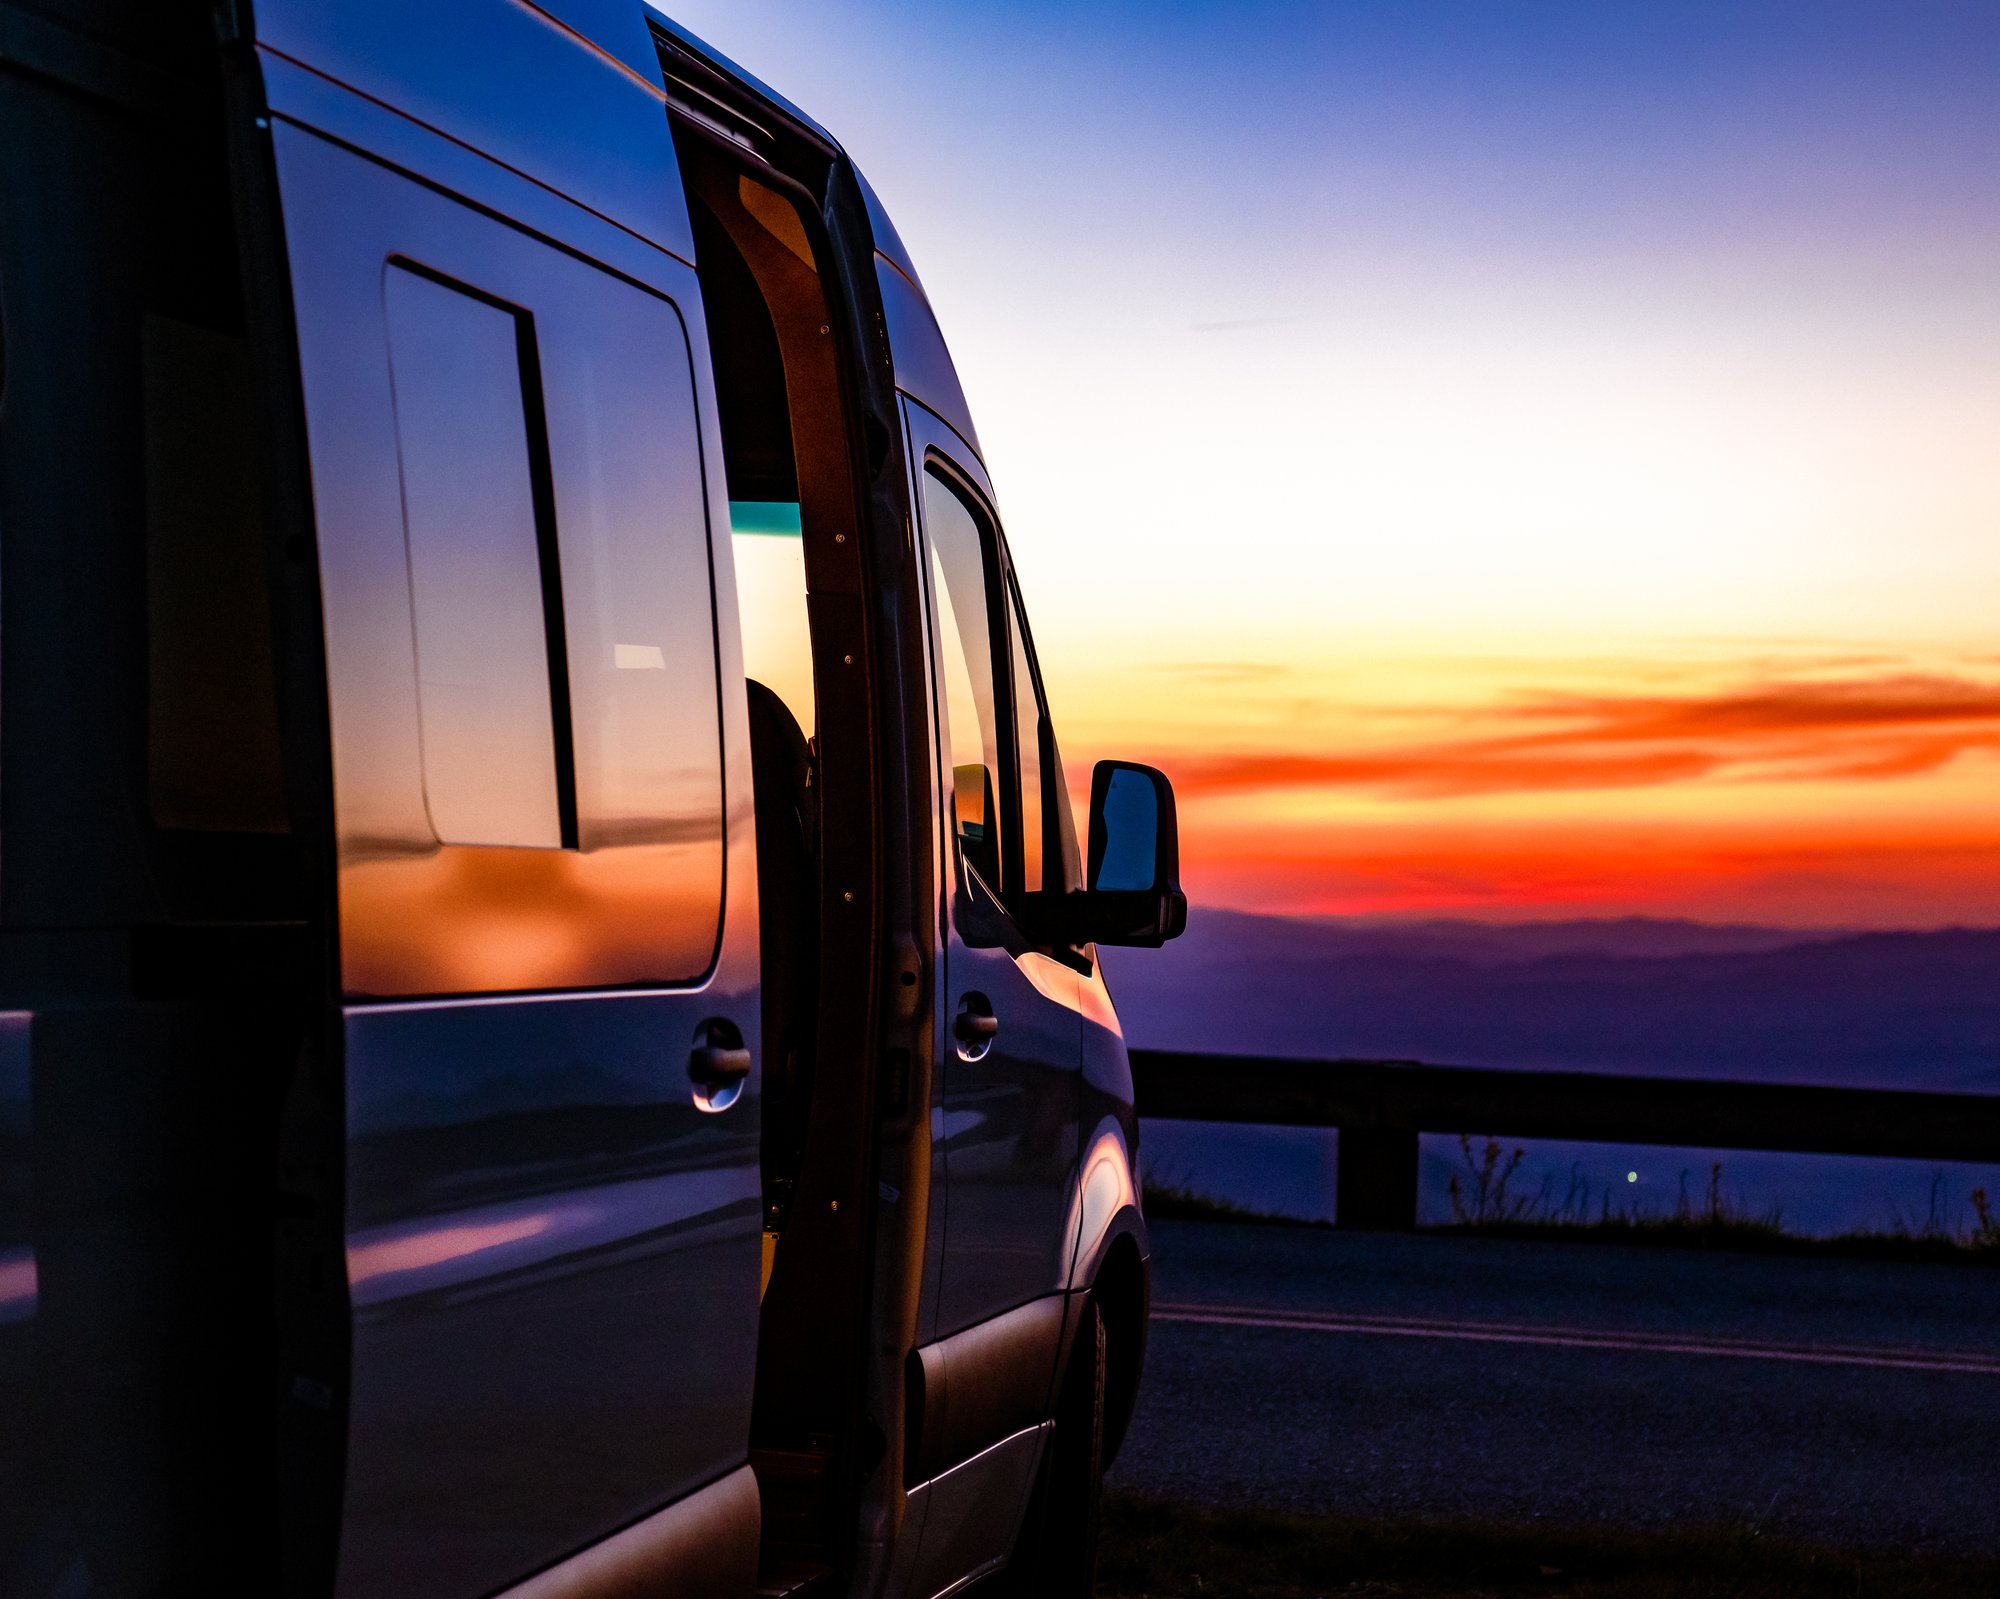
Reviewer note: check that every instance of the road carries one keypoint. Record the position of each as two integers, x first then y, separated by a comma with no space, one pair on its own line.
1848,1402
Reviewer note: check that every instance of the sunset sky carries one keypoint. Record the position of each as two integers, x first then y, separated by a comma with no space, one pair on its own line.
1503,459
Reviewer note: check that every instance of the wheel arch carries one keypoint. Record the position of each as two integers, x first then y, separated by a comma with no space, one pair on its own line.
1122,1288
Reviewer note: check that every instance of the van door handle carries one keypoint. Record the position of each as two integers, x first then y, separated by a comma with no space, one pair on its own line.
718,1065
712,1065
975,1027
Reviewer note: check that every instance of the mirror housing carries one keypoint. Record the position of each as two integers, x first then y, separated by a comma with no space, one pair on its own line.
1132,894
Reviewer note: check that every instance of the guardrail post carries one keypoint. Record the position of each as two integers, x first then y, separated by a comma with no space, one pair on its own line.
1375,1179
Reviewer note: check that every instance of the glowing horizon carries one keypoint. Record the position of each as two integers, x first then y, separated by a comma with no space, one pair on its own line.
1813,790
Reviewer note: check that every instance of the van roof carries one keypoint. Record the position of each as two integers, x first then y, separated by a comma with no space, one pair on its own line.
721,62
887,240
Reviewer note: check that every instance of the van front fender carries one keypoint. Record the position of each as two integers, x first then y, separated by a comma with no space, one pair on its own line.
1106,1202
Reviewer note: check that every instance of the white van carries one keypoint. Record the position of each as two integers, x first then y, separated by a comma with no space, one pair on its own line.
551,1040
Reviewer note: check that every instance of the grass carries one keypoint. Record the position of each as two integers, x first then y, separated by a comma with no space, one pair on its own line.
1173,1201
1158,1550
1486,1204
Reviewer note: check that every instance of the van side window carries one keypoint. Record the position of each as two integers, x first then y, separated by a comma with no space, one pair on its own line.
639,611
530,782
1029,732
1054,863
768,540
960,557
484,704
1011,808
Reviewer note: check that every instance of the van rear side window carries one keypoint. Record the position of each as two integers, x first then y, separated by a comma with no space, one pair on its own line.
528,739
484,702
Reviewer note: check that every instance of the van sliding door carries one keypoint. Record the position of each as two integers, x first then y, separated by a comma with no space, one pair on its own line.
552,1182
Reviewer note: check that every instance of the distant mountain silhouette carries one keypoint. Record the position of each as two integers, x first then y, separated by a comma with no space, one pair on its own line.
1895,1009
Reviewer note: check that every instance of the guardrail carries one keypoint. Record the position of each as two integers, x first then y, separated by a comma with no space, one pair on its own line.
1380,1106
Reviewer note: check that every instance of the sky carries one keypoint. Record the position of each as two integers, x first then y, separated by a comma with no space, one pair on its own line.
1506,459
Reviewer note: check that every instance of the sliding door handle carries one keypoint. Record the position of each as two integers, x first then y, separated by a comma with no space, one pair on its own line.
712,1065
975,1026
718,1065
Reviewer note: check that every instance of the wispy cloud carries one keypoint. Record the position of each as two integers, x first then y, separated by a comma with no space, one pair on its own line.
1879,729
1902,700
1438,770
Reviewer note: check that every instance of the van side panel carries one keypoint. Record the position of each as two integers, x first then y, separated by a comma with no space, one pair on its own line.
552,1251
701,1545
507,80
348,117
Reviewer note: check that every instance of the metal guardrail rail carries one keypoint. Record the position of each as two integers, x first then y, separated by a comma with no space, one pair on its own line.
1380,1106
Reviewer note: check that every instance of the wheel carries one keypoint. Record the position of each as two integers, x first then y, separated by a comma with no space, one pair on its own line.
1057,1555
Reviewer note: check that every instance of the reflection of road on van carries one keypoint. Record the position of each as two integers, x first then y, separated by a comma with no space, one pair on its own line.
554,1042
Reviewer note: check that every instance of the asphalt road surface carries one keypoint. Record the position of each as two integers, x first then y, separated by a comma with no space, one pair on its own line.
1852,1403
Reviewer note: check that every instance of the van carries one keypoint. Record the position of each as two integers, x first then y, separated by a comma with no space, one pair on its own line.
552,1040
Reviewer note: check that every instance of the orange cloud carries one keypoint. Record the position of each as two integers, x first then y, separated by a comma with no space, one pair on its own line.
1889,727
1811,878
1903,700
1486,767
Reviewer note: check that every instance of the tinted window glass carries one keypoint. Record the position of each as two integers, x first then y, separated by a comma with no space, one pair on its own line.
484,709
1029,734
637,597
959,563
527,731
771,596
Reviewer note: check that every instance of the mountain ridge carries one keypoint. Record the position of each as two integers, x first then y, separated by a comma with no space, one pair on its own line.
1897,1008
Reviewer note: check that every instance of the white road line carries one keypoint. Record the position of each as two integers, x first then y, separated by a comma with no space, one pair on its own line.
1581,1338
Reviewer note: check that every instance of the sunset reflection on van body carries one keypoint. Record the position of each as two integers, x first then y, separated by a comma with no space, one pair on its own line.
524,534
488,919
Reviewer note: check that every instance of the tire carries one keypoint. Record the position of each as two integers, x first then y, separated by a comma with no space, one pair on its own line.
1057,1555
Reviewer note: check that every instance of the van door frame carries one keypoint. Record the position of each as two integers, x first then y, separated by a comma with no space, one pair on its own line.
882,678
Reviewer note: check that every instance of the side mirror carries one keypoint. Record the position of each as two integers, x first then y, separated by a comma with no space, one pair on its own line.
1132,891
